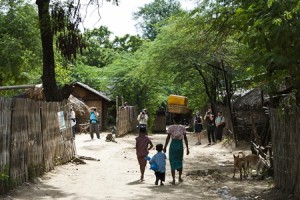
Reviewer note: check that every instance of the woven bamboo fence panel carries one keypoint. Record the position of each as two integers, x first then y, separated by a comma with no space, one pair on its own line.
35,142
19,141
5,134
50,131
57,143
285,127
32,141
126,120
64,150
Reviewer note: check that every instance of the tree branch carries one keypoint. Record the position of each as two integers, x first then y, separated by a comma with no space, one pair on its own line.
204,80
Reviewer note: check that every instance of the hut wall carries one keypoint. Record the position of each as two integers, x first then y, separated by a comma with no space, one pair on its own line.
81,93
32,142
285,129
244,120
92,100
126,120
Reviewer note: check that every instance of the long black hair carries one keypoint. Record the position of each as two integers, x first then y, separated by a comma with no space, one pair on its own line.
177,118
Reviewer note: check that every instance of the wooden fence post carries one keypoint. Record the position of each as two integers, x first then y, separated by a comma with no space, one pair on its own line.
117,116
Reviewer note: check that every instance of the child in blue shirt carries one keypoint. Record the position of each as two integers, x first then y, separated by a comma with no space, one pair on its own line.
160,160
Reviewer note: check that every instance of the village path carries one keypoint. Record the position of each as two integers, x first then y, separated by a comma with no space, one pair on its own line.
208,174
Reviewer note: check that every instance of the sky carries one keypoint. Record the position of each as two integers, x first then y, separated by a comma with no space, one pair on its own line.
119,19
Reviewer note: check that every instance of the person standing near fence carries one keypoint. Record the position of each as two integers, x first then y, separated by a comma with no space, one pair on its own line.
73,121
94,128
198,127
210,120
143,119
220,124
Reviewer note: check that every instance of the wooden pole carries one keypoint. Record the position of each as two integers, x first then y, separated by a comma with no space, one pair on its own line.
117,116
13,87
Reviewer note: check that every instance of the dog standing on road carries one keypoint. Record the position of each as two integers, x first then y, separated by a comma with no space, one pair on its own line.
256,161
239,163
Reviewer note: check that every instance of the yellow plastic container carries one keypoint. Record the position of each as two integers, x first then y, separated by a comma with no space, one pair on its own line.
177,100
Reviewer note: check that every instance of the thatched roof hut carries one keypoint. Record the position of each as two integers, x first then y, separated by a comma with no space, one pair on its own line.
93,99
249,114
79,107
81,96
35,93
253,100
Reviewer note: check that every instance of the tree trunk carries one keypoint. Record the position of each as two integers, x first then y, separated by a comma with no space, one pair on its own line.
210,88
297,85
1,79
228,100
48,78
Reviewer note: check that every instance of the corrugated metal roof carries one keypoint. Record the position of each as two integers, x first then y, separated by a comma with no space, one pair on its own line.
93,90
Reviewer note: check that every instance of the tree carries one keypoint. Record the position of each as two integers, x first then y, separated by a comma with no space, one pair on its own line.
65,20
20,51
269,28
101,50
153,14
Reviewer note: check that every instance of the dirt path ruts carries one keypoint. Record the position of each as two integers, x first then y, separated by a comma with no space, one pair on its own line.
207,175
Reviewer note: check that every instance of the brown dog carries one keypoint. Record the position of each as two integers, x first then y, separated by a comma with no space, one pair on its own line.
254,161
239,163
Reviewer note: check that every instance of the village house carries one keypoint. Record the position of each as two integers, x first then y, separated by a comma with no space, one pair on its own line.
93,99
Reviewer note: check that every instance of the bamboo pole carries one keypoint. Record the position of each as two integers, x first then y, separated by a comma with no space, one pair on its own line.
16,87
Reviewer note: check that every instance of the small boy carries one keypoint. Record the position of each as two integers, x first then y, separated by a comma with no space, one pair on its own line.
143,145
160,159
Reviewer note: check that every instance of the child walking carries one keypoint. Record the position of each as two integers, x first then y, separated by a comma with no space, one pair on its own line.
160,159
143,145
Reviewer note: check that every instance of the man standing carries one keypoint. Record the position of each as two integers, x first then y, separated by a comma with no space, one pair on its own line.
94,124
220,124
143,119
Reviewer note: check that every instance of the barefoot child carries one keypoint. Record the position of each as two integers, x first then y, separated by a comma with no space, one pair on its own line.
143,145
160,159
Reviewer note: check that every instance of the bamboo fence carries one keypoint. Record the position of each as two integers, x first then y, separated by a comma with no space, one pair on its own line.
285,127
31,140
126,120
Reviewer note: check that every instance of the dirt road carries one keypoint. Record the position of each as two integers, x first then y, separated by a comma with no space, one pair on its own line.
207,170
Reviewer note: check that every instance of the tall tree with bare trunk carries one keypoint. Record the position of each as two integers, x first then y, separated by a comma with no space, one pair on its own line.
62,21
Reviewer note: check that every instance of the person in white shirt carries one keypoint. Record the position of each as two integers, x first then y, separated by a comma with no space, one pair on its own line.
220,124
73,122
143,119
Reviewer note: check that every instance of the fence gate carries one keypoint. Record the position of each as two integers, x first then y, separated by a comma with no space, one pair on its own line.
126,119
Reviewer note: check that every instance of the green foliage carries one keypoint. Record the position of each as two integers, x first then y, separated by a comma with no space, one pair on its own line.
20,51
257,43
127,43
152,16
91,76
4,174
270,29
